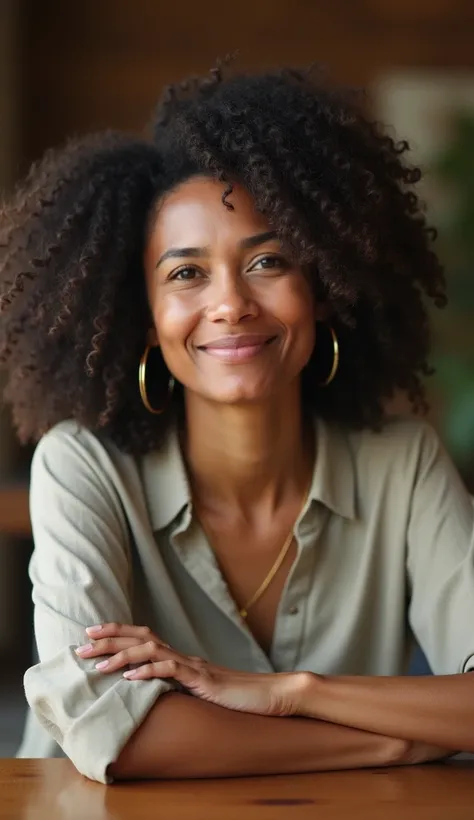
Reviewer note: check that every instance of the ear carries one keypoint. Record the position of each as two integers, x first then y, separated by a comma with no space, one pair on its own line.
152,338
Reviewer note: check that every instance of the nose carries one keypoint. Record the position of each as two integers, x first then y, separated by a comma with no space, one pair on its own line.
230,299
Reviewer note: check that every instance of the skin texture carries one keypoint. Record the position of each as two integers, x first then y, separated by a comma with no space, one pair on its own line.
434,709
226,288
200,738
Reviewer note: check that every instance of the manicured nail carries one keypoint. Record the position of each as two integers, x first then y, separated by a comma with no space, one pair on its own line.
82,649
102,665
91,630
130,674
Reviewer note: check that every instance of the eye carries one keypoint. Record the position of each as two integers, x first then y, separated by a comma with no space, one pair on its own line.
185,274
269,262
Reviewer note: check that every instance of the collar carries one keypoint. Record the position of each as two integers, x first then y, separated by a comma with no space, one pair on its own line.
166,483
168,492
334,476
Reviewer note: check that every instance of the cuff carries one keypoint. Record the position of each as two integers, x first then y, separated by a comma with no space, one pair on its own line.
95,740
91,716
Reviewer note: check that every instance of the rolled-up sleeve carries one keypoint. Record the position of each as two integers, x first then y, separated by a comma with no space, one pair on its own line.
81,575
441,560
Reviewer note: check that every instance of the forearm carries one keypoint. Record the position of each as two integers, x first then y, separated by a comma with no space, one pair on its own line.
429,709
183,737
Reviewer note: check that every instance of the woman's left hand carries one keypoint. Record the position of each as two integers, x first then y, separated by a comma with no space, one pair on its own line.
278,694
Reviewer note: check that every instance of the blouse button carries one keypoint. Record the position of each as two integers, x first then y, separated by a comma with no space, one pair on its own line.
293,610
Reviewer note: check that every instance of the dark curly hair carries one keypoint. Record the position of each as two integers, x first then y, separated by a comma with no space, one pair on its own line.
74,313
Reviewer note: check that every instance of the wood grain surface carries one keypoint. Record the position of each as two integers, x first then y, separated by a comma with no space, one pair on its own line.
52,790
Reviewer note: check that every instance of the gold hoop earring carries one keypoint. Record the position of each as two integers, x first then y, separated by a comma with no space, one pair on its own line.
335,360
142,384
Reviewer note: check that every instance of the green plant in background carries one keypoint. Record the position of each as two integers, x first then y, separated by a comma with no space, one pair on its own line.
453,171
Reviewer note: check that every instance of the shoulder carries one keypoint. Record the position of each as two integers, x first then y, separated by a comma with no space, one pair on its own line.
79,479
398,457
402,440
70,445
74,460
72,456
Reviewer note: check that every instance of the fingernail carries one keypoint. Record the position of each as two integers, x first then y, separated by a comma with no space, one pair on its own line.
91,630
130,674
102,665
86,648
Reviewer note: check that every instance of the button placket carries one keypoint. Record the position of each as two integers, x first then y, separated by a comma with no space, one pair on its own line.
290,615
290,622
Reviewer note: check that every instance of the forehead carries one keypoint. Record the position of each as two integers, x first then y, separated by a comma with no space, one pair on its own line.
194,215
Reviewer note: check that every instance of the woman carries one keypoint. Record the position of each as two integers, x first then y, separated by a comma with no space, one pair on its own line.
204,331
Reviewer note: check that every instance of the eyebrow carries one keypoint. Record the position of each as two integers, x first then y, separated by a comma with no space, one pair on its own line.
245,244
258,239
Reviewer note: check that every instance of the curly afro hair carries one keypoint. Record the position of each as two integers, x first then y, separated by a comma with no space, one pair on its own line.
74,313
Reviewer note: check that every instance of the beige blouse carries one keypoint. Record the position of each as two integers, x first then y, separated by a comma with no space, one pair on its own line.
385,552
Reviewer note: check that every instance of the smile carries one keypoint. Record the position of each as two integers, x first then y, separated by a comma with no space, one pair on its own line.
236,349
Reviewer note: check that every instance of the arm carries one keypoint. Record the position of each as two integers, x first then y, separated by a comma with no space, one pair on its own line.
440,567
438,710
80,571
207,734
199,739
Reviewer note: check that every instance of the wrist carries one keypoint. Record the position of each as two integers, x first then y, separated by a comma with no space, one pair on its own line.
315,690
309,692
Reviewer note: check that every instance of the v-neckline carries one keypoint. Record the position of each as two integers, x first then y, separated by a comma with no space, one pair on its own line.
201,563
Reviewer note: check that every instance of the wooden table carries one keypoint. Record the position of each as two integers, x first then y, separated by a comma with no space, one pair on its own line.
52,790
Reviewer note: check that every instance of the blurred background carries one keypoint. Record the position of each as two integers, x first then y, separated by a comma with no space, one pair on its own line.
70,68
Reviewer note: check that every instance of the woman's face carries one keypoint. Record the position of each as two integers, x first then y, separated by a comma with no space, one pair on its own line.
234,316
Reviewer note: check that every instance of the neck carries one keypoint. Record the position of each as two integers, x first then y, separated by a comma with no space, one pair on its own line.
248,454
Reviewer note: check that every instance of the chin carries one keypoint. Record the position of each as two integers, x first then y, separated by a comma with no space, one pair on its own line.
242,401
242,394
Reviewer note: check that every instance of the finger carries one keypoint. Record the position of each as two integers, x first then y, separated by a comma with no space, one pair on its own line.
117,630
180,672
106,646
138,654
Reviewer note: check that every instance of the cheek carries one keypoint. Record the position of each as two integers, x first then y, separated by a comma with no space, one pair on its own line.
297,309
301,319
175,317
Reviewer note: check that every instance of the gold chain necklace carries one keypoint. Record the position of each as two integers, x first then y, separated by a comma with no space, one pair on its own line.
243,612
269,578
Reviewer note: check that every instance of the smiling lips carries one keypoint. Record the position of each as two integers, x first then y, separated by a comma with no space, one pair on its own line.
235,349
